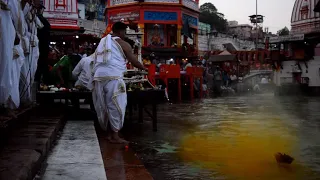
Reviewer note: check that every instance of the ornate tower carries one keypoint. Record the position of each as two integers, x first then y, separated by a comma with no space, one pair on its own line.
304,19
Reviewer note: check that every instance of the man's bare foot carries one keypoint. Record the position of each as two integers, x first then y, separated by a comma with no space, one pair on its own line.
118,141
109,138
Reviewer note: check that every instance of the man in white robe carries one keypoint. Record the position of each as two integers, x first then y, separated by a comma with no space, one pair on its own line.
18,52
109,91
83,71
29,68
7,38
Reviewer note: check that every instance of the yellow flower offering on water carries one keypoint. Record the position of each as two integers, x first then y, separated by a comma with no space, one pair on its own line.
243,148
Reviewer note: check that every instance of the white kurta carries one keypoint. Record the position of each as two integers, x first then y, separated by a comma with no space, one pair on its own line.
83,71
109,93
35,47
18,58
7,36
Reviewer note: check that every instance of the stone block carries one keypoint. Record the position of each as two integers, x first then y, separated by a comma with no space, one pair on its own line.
18,164
40,145
78,171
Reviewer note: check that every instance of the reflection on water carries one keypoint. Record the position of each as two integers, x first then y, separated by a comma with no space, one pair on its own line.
235,138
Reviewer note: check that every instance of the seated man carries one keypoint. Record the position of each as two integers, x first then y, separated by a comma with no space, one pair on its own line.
82,71
62,70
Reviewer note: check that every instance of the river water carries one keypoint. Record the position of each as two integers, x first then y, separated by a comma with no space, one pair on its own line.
232,138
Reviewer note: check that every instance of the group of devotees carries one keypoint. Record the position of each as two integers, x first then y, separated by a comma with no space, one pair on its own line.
21,25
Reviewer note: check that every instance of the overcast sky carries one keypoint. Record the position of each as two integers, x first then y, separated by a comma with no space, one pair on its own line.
277,12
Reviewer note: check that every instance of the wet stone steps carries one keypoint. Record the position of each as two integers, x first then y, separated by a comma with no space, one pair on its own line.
28,143
76,155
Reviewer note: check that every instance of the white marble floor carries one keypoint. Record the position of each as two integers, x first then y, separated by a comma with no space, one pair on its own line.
77,155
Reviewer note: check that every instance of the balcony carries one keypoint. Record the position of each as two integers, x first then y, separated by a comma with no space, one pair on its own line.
313,28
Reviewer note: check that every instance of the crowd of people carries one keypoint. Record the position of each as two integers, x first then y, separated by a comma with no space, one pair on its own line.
61,62
24,46
215,78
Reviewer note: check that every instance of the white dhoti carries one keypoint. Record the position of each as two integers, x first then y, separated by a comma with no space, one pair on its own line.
110,101
17,62
7,36
25,80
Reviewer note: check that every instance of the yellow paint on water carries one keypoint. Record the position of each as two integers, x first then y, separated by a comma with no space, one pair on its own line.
244,148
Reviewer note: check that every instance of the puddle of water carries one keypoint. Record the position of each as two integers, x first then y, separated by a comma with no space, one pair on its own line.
166,148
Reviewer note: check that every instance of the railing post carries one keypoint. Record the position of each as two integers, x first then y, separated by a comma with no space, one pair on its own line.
179,35
141,29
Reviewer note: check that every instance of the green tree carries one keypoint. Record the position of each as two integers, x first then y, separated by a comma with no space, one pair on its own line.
284,31
209,14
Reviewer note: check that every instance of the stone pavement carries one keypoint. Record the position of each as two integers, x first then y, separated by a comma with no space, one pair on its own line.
77,154
121,163
27,146
29,149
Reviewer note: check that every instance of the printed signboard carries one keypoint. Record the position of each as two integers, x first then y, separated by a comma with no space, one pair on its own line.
160,16
131,15
62,13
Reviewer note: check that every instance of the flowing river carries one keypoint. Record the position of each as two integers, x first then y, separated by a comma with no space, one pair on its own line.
232,138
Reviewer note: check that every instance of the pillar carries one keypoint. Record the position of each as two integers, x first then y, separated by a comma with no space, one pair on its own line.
195,40
141,26
185,39
179,35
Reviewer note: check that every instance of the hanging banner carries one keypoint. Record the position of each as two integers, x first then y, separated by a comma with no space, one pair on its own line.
62,14
100,12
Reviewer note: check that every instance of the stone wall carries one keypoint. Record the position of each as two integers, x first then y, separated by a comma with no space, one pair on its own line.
217,43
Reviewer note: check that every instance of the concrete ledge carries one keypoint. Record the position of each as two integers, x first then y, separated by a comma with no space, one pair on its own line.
76,155
27,147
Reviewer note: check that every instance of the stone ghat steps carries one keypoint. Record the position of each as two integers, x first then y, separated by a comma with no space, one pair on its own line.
76,154
28,142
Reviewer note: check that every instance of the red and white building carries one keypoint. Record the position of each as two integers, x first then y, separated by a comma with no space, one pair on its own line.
62,14
304,19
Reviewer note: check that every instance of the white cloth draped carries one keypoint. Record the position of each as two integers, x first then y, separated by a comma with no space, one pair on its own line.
104,50
110,102
7,36
110,60
29,68
16,69
83,71
18,53
109,90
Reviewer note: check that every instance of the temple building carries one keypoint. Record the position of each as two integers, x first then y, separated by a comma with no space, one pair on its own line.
75,17
305,19
163,23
